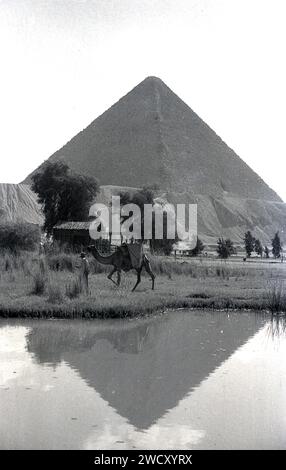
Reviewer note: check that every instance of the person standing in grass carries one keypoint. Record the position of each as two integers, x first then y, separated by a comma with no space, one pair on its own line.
84,272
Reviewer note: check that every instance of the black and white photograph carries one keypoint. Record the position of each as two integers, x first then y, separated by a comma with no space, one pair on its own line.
142,228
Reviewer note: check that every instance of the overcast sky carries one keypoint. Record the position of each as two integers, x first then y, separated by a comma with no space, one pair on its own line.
64,62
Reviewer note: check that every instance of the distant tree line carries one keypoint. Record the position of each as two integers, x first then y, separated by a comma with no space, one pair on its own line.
225,248
253,244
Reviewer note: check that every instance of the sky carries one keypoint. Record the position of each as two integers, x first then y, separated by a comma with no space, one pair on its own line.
64,62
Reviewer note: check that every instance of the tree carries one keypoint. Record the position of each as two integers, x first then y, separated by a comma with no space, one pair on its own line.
249,242
146,195
199,248
276,246
63,194
258,247
266,251
140,198
225,248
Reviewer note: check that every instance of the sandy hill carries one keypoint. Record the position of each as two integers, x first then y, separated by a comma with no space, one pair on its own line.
152,136
19,204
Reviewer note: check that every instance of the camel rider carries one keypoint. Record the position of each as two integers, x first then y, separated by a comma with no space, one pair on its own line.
84,272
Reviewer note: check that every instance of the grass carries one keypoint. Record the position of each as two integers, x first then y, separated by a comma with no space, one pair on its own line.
48,287
276,297
38,282
74,289
55,295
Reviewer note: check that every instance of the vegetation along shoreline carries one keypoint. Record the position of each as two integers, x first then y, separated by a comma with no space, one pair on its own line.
58,271
48,286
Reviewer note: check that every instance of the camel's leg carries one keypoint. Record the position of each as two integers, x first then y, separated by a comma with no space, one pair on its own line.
138,280
149,271
111,274
118,278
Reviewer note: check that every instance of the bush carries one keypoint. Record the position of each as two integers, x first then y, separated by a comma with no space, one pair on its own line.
19,236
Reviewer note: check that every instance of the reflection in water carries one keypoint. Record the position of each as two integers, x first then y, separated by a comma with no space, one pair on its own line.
182,380
276,327
144,369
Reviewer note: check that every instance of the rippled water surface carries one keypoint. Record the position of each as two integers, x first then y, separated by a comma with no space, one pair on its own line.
182,380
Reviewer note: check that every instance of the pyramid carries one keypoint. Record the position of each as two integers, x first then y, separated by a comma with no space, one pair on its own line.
150,136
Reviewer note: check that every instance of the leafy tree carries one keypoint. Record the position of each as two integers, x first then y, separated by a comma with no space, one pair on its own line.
143,196
258,247
140,198
146,195
276,246
249,243
225,248
266,251
63,194
19,236
199,248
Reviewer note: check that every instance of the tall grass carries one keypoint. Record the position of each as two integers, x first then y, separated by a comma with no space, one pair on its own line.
188,268
195,285
68,261
276,327
17,261
276,297
55,295
61,262
74,289
38,283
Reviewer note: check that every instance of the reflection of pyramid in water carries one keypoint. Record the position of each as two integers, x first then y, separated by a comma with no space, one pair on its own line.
143,369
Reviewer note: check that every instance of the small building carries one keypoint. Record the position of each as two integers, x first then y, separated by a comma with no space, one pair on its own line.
72,233
76,234
182,248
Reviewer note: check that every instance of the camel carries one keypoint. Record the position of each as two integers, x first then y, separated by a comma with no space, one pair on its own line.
121,261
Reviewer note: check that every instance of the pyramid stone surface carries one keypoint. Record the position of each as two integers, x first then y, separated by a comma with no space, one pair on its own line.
151,136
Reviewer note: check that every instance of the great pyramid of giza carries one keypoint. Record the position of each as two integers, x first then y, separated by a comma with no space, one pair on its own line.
150,136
